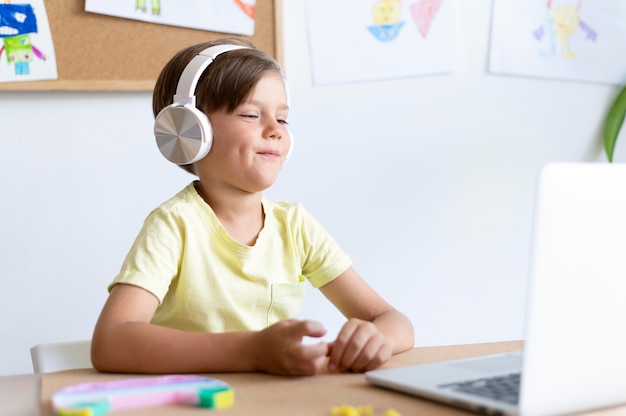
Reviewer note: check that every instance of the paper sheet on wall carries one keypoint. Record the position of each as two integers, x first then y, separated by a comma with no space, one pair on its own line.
26,47
358,41
582,40
227,16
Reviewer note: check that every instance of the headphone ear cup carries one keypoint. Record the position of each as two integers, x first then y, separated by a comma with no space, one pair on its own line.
183,134
290,151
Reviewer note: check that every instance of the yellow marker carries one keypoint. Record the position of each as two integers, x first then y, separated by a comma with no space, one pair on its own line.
347,410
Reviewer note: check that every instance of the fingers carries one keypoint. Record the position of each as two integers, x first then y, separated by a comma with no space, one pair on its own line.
359,347
311,328
280,349
305,359
310,356
314,352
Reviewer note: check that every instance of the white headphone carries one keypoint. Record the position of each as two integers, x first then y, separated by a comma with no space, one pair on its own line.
183,133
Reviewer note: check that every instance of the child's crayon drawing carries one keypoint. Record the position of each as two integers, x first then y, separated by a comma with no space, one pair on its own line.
248,8
26,45
388,17
577,40
226,16
155,6
560,24
380,39
423,13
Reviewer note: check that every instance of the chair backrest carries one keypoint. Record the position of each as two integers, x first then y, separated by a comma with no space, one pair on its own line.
58,356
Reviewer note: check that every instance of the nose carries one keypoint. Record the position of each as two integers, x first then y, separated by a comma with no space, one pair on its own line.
274,130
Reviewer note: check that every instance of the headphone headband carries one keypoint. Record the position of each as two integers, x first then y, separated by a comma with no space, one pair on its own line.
186,89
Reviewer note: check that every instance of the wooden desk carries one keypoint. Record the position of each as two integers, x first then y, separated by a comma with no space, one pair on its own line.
263,394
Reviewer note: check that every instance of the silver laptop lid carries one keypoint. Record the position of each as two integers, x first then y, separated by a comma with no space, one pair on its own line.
574,356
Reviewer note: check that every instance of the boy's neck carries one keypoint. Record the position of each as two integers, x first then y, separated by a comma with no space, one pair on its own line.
240,213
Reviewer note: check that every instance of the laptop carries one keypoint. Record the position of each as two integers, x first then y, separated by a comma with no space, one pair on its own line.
574,356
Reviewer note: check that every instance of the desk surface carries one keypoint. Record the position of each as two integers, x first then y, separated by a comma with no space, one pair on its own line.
263,394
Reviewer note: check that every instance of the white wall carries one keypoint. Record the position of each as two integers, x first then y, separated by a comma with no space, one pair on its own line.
427,183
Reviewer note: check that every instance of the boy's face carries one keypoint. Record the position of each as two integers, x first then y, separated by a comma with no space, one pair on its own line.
251,143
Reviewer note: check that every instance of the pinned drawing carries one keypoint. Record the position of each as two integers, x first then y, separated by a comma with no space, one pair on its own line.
19,21
576,40
561,23
155,6
387,20
423,12
367,40
22,28
226,16
247,8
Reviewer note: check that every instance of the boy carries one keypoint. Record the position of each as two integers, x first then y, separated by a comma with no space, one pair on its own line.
216,277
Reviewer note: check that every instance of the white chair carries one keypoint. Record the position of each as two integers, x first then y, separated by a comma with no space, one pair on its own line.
58,356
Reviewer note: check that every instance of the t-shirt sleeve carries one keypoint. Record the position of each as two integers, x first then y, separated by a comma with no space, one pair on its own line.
324,259
153,260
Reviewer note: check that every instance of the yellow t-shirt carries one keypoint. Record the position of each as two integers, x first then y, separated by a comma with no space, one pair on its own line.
206,281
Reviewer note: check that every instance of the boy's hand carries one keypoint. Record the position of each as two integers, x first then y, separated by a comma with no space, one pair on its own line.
278,348
359,347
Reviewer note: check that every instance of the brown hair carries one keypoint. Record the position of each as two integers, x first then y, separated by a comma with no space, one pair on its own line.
225,84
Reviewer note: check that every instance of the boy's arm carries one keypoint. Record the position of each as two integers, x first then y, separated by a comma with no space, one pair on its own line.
374,330
125,341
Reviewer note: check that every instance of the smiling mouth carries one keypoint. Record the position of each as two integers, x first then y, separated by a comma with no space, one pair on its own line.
273,154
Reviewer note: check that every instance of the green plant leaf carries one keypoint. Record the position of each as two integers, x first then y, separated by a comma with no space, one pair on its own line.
613,123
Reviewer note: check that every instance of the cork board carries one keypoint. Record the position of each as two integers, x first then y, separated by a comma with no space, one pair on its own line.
99,52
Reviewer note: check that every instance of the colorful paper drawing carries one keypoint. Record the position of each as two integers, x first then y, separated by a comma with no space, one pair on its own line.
380,39
423,13
155,6
248,8
26,43
387,20
561,39
388,17
226,16
560,24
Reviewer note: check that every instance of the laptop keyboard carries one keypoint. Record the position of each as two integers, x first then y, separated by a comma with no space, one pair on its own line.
501,388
